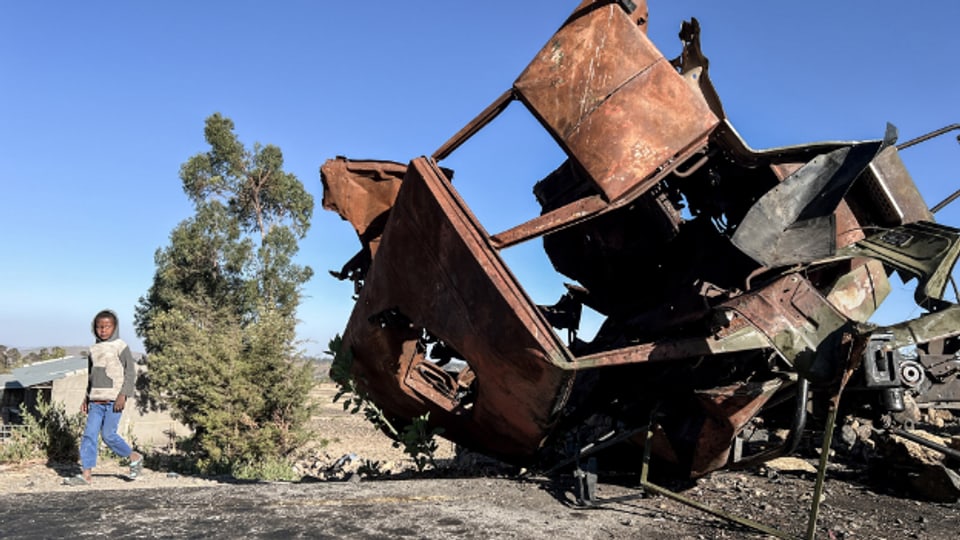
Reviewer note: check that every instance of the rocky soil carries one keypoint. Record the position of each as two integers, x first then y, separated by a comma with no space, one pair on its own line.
337,498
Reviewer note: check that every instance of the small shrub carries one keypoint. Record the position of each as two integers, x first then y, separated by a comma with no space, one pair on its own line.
355,400
49,433
370,469
419,442
416,438
270,470
19,447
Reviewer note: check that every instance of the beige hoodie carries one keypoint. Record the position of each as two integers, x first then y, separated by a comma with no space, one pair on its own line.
111,368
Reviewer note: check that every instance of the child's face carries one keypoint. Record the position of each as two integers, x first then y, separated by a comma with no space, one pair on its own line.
104,327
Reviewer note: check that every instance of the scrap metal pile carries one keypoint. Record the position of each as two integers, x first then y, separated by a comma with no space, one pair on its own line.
735,284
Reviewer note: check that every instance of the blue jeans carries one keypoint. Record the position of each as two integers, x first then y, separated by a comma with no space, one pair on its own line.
103,422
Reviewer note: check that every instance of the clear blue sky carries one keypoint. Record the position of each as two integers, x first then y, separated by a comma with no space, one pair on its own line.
102,101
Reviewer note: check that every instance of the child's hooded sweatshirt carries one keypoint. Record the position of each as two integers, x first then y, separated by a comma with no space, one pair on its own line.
111,369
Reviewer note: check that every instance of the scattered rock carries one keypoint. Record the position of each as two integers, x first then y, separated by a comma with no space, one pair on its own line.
791,464
848,437
911,414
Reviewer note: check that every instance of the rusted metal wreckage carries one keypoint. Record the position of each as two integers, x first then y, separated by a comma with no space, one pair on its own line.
736,284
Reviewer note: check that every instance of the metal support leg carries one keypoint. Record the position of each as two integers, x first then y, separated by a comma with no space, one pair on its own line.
587,483
650,486
822,469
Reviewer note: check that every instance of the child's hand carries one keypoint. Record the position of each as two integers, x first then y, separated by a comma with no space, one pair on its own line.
119,403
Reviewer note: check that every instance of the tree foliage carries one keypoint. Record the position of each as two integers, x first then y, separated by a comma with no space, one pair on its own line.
218,322
9,358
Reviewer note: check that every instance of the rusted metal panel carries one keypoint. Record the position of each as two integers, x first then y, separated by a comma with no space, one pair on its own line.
890,190
925,250
796,318
848,227
795,222
728,409
361,191
858,293
633,101
435,268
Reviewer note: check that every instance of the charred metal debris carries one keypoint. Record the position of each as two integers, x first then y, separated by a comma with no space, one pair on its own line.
735,284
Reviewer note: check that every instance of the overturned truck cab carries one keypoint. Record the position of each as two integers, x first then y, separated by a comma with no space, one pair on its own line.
735,284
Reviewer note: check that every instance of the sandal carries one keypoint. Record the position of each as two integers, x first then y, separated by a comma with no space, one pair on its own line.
77,480
136,467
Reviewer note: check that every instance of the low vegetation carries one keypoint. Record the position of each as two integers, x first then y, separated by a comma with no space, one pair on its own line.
416,438
46,433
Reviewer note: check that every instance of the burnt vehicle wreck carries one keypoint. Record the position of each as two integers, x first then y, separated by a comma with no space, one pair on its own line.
736,284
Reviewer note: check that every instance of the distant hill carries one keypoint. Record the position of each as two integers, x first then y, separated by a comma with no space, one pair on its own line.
72,350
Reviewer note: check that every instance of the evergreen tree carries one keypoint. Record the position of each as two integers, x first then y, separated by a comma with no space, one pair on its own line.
218,322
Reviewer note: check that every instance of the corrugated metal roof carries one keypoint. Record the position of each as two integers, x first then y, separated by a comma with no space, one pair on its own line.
43,372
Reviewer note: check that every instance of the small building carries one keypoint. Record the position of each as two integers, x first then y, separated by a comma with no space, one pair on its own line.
61,379
64,380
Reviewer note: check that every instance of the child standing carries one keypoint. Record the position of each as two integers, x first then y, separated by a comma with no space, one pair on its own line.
110,378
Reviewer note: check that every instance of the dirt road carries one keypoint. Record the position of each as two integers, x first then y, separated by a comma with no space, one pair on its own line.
459,508
452,508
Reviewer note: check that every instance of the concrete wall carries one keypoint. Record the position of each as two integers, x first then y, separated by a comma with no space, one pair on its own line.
151,430
70,391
